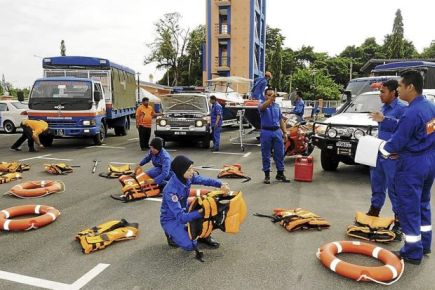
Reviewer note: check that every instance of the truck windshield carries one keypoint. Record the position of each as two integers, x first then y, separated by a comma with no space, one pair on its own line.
365,103
62,90
185,103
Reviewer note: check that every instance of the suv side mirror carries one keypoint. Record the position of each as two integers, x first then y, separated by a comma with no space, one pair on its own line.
97,96
348,95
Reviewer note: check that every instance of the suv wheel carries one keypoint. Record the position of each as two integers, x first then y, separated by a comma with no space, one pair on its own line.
328,160
205,143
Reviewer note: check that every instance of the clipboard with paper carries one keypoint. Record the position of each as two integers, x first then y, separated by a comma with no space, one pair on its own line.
367,150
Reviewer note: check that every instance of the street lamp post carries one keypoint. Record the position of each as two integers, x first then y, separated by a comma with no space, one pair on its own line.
138,86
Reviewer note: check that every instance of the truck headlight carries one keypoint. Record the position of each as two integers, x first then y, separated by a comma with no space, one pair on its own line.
199,123
332,133
162,122
358,133
89,122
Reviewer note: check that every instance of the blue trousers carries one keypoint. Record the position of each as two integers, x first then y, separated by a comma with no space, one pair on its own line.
216,132
382,180
413,183
269,140
156,171
178,233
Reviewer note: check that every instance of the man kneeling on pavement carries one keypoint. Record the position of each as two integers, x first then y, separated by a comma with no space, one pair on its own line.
173,212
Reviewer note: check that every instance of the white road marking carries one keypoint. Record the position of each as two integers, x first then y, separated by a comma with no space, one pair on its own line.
247,154
35,157
206,168
48,158
171,150
47,284
131,139
105,147
232,153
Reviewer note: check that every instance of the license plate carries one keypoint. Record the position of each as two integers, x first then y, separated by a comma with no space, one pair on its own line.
180,133
344,151
59,132
343,144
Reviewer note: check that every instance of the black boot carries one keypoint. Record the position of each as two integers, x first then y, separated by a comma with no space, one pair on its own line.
266,177
171,243
373,211
397,229
280,176
209,242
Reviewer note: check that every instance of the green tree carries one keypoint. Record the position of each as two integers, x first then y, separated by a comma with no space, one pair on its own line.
192,66
62,48
429,52
169,46
274,55
276,67
315,84
395,44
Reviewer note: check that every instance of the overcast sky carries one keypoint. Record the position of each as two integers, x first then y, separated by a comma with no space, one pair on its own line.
119,30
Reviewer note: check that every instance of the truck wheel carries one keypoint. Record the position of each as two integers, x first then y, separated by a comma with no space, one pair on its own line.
99,138
9,127
205,143
46,140
122,131
328,160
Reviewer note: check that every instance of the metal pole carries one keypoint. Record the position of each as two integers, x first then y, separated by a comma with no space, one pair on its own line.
138,86
350,71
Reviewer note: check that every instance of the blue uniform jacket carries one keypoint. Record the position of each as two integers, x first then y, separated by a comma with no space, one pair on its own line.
216,110
175,196
392,113
299,108
162,161
412,135
260,85
271,116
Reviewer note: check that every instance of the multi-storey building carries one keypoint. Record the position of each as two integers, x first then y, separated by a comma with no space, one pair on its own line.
236,38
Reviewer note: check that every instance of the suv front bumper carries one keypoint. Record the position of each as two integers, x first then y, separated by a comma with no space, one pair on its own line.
345,148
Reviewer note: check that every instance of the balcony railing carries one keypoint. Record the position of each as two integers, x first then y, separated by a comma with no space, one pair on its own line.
222,30
222,63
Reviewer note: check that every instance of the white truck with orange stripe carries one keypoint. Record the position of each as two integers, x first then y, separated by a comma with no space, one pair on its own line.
82,97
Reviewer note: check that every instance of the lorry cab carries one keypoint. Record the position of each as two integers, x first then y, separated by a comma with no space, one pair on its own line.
186,116
71,106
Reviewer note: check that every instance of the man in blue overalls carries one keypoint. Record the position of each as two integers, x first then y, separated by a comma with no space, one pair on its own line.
216,122
272,136
259,86
299,106
173,212
161,172
413,143
382,176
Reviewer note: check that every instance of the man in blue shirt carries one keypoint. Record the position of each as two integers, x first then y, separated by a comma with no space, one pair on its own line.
413,143
259,86
272,136
382,176
216,122
173,212
161,172
299,106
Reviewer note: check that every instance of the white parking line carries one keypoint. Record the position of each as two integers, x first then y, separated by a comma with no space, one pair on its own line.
247,154
45,157
131,139
47,284
105,147
154,199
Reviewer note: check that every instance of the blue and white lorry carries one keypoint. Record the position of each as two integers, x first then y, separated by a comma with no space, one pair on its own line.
82,97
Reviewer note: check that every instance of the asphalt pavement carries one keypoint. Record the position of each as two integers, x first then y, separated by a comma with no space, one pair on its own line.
262,256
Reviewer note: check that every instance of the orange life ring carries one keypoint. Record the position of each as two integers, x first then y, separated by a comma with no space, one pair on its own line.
47,214
392,269
36,188
251,103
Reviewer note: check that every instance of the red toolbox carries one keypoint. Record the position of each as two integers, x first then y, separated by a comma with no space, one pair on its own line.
304,169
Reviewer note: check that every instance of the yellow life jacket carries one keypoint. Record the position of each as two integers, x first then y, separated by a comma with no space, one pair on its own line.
220,211
12,167
297,219
8,177
116,171
372,228
101,236
58,169
136,187
233,171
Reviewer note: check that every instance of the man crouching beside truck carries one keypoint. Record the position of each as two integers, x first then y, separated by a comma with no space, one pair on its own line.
32,129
